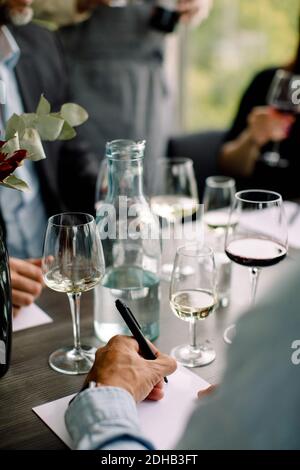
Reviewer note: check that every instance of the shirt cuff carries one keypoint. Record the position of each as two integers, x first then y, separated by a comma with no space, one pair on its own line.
103,415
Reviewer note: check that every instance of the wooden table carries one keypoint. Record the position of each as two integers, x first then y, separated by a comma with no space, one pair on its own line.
30,381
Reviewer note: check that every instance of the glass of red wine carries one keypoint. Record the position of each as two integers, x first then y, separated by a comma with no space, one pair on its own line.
259,237
282,98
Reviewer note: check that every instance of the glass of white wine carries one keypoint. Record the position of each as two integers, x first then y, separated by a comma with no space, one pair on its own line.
194,298
73,263
174,196
218,199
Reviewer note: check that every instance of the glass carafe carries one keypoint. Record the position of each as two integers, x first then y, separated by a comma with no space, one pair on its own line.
130,237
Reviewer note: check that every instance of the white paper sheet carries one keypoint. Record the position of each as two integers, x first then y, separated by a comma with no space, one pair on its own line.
162,422
29,317
266,223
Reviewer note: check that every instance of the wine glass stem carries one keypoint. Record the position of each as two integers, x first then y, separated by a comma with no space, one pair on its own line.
74,299
276,147
193,334
254,275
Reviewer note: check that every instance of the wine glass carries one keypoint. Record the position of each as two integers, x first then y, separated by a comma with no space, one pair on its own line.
73,263
259,238
218,199
174,196
280,98
193,298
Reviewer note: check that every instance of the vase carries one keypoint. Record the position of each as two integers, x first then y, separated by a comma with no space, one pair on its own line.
5,308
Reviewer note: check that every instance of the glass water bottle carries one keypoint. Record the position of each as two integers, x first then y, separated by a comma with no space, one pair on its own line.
130,237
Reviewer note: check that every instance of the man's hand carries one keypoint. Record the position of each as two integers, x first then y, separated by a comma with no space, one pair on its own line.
208,391
119,364
265,125
194,11
27,282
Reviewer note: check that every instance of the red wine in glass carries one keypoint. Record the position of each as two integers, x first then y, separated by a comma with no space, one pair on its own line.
255,252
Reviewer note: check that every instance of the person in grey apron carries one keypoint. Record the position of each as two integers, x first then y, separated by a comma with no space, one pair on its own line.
116,63
116,69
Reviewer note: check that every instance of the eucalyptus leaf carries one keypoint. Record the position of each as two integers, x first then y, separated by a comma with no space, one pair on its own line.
13,182
31,142
44,106
13,125
67,132
11,145
49,127
74,114
30,120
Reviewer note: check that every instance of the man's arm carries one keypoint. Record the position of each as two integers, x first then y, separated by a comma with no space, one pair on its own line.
26,282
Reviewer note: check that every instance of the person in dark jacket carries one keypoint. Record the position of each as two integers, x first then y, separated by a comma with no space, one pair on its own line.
31,64
255,129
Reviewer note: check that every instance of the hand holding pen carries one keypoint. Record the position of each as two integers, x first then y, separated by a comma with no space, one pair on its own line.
145,350
119,364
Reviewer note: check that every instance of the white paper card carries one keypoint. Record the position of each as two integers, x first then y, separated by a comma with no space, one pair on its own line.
29,317
162,422
267,224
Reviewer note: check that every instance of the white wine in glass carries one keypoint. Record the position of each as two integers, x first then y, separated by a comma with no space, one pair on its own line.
73,263
193,298
174,197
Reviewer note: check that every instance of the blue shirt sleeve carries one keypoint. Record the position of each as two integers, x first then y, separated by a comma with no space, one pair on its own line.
105,418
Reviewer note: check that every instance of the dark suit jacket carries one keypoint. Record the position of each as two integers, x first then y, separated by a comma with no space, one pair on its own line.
68,175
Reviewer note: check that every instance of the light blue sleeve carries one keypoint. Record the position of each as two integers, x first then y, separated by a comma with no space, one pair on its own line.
105,418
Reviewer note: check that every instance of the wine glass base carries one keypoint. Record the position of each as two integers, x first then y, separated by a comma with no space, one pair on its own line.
198,357
273,159
229,334
166,272
68,361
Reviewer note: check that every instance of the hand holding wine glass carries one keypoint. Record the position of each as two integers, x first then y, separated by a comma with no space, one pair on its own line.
283,104
73,263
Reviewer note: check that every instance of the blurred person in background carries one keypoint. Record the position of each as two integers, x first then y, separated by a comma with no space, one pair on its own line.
31,64
116,62
254,130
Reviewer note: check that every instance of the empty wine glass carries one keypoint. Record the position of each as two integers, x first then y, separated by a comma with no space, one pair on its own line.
280,98
73,263
218,199
259,238
174,196
193,298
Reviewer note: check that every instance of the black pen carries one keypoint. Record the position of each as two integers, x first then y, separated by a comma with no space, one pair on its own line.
135,328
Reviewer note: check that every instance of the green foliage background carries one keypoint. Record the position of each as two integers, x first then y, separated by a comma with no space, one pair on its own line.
240,38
